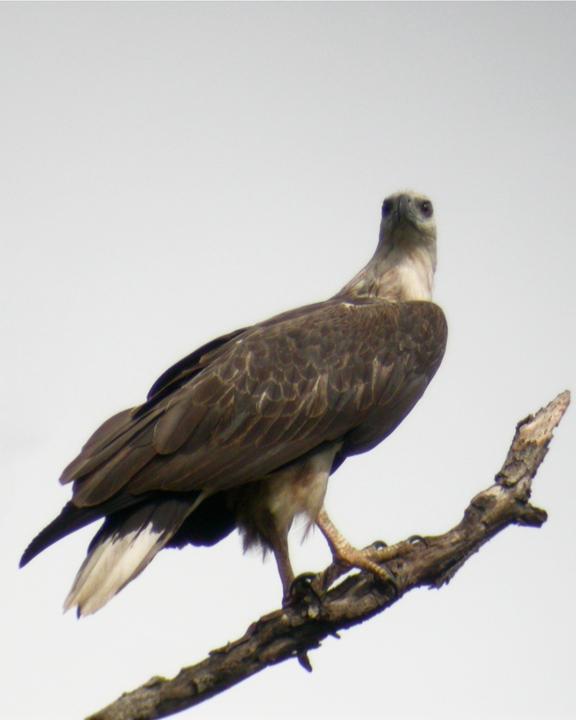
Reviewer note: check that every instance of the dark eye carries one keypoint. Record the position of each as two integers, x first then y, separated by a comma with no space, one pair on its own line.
387,207
426,208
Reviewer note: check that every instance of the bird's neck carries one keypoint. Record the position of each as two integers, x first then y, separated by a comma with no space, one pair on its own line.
399,275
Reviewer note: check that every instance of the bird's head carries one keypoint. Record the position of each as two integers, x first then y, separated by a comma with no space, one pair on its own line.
402,268
407,222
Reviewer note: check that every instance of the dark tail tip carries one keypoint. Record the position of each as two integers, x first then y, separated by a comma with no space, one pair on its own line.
27,555
70,519
43,540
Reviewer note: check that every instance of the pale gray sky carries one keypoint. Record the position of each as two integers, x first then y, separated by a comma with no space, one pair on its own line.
173,171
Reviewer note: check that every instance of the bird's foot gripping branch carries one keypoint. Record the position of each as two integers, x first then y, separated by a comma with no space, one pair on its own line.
301,626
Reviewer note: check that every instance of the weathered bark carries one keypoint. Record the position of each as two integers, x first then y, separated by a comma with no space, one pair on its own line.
430,561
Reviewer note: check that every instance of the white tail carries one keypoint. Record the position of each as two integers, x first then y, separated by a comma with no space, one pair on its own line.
121,551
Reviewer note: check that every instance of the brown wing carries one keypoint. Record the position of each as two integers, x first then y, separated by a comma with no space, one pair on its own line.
421,341
266,397
189,366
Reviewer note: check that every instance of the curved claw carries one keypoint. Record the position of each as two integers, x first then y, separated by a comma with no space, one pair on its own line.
388,577
302,589
377,545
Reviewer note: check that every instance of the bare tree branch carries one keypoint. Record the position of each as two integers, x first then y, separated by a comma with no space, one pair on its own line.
317,613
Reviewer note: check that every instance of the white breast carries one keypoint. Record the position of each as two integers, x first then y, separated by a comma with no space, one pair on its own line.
415,279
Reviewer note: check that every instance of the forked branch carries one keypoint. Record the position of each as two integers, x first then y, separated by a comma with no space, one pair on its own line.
317,613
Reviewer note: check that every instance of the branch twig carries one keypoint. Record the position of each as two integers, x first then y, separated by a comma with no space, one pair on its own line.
431,561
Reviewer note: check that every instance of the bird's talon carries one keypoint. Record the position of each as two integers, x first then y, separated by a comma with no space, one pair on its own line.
302,589
387,577
417,540
377,545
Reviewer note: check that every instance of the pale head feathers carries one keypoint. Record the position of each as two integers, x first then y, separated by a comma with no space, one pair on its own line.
402,268
407,222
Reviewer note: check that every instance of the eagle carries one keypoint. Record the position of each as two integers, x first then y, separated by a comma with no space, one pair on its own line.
245,432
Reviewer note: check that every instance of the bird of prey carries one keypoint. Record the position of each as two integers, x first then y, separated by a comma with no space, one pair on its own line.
244,432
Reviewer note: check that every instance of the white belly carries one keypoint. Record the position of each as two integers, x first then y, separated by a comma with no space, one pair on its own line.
268,507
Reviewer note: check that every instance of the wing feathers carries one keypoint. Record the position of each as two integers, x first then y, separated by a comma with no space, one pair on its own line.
177,425
111,477
260,401
110,429
95,454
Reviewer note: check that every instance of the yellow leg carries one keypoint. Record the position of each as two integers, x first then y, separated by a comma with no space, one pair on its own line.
344,552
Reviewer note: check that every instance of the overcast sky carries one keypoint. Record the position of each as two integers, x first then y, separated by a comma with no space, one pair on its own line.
169,172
